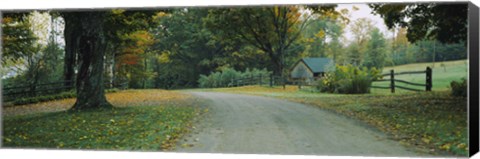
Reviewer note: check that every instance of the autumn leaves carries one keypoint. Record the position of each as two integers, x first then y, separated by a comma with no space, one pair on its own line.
143,120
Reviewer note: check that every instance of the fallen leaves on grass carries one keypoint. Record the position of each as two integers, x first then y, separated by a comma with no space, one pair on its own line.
130,128
125,98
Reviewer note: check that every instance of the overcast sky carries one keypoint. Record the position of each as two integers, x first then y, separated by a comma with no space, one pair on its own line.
364,12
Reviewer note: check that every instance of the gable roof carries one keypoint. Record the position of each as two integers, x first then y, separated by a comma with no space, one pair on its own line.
318,64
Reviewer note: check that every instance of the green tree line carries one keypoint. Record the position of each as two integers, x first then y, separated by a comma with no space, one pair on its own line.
173,48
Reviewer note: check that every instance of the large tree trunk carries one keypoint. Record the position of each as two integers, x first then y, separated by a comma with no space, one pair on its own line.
71,46
92,44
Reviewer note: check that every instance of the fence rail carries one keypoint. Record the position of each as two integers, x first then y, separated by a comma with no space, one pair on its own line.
392,74
269,80
32,90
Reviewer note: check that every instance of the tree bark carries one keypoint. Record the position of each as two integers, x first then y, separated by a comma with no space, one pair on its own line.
71,46
91,51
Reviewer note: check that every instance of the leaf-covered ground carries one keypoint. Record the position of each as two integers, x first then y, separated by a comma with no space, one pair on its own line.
433,122
142,120
118,99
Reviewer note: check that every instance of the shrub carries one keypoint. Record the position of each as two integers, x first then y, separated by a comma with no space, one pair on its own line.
459,88
348,80
227,76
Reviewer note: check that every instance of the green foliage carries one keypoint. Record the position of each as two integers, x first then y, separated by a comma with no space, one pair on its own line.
459,88
227,76
348,80
273,30
17,38
446,23
316,34
375,52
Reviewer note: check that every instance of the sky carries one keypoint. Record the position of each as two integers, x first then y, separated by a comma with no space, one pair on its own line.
364,12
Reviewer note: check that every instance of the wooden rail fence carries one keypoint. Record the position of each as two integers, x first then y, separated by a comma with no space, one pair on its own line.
32,90
258,80
392,74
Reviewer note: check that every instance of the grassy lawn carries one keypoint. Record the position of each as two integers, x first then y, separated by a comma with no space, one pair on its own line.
432,122
442,76
142,120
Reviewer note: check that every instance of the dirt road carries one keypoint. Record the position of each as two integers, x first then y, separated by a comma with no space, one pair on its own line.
244,124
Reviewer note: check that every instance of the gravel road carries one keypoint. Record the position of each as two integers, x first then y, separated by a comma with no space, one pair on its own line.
244,124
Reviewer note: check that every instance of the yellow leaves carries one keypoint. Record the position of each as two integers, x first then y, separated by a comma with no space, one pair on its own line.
164,57
160,15
60,145
129,128
446,146
152,97
83,137
344,11
118,11
7,20
426,140
275,9
398,126
320,34
462,146
355,8
185,145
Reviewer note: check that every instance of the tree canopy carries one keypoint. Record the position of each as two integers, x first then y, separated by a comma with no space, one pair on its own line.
445,22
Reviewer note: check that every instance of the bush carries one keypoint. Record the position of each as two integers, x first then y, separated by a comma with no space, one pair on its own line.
227,77
459,88
348,80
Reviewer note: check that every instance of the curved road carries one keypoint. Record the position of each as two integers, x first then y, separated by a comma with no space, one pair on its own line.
245,124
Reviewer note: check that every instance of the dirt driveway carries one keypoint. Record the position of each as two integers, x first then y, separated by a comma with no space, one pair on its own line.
245,124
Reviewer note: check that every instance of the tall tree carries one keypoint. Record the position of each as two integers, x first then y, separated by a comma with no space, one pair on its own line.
360,29
86,36
90,42
375,51
185,42
17,38
71,35
270,29
446,22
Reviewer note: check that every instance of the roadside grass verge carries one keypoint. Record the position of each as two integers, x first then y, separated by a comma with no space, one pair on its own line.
139,122
431,122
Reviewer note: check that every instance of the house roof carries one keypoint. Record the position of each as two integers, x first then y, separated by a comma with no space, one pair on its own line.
318,64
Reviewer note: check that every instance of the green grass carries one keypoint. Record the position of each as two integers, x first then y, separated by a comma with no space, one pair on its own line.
432,122
129,128
442,76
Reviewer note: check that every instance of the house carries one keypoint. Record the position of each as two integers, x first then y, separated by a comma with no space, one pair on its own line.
309,69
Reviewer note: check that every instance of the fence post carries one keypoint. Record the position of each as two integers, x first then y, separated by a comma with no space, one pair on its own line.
392,81
428,83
